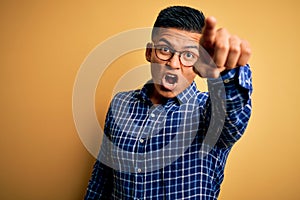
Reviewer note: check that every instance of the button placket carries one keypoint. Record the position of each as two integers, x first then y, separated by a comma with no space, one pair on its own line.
139,156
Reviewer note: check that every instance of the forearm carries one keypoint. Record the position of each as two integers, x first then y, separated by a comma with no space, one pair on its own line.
233,93
100,184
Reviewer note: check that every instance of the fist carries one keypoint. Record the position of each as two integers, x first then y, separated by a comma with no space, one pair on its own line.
225,50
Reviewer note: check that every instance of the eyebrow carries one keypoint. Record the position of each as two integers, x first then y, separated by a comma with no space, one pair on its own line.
186,47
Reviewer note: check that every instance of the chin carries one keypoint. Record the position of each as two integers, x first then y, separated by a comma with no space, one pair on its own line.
166,93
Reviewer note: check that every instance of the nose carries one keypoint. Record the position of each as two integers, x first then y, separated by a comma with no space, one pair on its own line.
174,62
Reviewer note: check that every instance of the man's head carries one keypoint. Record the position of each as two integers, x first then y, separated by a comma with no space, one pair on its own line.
174,50
179,17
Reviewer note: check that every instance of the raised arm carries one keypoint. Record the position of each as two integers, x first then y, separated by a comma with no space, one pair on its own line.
225,65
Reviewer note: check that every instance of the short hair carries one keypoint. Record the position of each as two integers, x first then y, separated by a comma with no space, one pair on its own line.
180,17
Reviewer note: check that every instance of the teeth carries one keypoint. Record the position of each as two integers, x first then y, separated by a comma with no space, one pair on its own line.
171,75
171,78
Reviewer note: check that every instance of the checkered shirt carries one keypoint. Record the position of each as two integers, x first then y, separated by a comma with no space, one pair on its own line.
176,150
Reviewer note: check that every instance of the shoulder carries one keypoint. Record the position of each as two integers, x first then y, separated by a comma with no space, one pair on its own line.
125,96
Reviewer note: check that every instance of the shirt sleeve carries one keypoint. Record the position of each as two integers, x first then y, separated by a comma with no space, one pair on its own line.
237,87
100,185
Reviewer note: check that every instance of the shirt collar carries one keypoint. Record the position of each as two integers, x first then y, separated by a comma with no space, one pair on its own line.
184,97
145,91
188,94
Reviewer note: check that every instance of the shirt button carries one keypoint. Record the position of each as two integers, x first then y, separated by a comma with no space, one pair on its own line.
141,140
226,81
139,170
152,115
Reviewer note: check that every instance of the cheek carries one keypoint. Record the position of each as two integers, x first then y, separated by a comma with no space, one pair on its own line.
156,70
156,67
189,74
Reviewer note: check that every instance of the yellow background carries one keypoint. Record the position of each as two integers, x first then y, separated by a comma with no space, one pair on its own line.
42,46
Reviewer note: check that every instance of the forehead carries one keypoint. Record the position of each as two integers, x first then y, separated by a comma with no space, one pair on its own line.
177,37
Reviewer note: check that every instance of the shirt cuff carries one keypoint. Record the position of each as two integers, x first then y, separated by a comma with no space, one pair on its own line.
241,75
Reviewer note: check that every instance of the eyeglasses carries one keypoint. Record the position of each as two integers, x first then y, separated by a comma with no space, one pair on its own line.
165,53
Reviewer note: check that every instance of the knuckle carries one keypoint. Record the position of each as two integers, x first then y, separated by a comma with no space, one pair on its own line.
235,38
223,30
247,51
222,46
235,44
235,49
246,48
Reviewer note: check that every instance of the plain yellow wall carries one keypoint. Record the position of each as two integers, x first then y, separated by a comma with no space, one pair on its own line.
42,46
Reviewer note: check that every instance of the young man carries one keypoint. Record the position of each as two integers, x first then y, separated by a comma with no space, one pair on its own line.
169,140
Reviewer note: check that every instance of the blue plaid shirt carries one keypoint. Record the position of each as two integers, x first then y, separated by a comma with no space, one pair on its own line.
176,150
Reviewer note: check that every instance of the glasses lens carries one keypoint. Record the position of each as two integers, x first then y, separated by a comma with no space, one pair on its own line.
163,52
188,58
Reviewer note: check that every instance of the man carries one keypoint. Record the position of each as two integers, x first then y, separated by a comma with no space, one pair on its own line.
169,140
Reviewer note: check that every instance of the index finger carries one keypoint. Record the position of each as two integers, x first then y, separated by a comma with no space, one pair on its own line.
209,32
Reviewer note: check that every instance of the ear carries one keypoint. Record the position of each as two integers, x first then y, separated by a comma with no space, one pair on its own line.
148,51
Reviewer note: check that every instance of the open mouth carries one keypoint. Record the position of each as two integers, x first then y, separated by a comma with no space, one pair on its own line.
169,81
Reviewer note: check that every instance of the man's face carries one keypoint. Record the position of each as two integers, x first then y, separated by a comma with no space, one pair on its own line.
171,76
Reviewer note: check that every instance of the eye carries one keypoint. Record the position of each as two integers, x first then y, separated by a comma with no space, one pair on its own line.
189,55
164,49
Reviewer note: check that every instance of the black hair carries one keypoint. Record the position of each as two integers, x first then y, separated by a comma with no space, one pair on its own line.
180,17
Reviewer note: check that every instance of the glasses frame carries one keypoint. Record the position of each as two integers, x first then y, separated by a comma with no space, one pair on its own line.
172,53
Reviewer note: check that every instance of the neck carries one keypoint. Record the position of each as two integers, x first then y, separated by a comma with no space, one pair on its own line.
156,98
